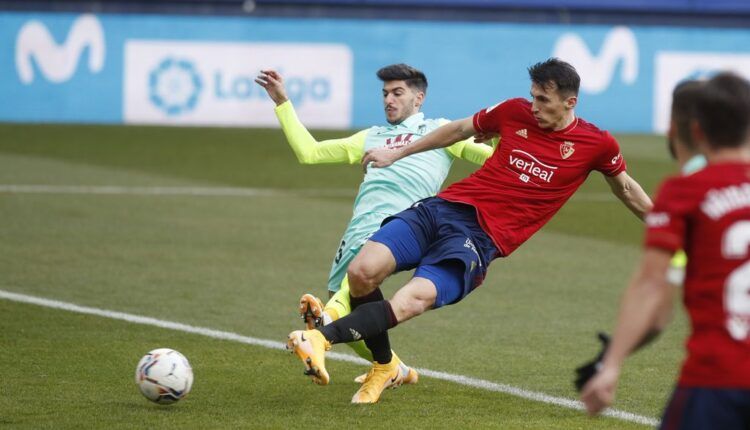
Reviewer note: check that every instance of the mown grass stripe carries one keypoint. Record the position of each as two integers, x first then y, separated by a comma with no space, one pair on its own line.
171,191
215,191
234,337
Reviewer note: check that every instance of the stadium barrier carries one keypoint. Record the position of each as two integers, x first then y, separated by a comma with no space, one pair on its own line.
649,6
190,70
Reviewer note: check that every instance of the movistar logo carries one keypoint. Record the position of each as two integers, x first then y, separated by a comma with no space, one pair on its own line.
58,63
174,86
620,47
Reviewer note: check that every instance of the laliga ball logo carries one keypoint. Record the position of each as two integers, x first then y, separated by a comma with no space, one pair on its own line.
164,376
174,86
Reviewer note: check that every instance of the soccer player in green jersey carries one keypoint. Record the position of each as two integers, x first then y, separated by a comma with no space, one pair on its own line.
383,192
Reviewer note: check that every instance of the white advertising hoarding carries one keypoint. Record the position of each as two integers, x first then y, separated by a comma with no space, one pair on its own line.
212,83
673,67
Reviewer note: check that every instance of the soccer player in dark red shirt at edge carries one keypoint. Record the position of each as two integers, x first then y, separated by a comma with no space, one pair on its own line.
546,153
707,213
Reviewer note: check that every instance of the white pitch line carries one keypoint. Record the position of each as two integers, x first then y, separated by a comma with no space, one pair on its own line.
169,191
225,335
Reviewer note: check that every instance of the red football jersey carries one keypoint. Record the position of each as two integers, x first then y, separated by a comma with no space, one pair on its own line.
708,214
532,173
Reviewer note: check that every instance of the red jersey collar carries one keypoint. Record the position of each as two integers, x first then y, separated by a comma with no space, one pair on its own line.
567,129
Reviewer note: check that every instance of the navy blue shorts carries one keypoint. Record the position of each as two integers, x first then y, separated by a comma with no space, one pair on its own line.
694,408
444,242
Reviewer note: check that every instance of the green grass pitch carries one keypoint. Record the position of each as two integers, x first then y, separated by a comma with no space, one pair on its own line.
239,264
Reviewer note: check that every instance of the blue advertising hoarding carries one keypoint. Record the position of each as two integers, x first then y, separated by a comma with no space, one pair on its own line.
198,70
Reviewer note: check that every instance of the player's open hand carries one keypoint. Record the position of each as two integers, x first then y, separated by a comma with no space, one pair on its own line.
273,83
599,392
379,157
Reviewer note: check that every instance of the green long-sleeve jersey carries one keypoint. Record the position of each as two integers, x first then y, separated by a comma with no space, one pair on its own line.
392,189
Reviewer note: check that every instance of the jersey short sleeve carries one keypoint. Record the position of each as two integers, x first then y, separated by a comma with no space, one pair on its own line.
611,162
489,120
665,224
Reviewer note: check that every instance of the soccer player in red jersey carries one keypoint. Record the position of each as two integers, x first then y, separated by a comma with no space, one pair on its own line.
683,149
545,154
707,213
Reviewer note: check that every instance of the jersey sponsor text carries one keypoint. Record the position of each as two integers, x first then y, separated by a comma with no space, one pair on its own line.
535,167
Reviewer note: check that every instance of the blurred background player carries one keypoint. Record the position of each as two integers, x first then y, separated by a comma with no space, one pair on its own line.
546,154
683,148
383,192
707,213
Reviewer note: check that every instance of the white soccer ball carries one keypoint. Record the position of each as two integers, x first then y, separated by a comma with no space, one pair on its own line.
164,376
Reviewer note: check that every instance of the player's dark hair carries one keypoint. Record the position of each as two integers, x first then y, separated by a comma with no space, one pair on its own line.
561,73
414,78
684,98
723,110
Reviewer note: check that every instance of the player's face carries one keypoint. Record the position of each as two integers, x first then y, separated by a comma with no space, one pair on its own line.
400,101
551,109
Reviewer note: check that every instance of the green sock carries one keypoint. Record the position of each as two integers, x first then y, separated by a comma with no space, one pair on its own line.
361,349
338,305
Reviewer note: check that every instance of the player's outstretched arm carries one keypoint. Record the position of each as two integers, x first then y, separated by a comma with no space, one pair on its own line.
476,149
641,312
630,193
305,147
472,151
446,135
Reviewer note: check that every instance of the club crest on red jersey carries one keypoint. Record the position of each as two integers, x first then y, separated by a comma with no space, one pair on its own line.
566,149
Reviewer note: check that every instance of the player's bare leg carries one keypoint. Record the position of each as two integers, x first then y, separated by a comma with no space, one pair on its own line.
370,267
413,299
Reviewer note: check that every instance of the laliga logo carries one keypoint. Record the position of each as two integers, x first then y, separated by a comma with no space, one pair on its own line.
597,71
174,86
58,63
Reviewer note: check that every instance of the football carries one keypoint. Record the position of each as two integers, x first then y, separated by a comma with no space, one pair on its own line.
164,376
